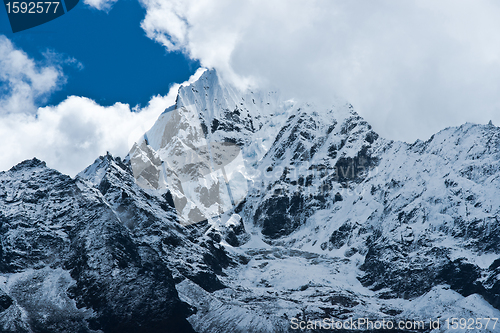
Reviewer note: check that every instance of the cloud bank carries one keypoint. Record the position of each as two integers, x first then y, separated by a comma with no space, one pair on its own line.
411,68
70,135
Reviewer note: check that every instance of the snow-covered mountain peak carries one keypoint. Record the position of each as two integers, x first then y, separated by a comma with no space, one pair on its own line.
255,209
473,150
468,140
97,170
267,129
29,164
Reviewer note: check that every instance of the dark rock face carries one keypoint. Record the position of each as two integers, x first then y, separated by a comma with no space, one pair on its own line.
280,215
462,277
5,301
493,284
354,168
339,237
389,266
149,305
234,233
58,236
392,267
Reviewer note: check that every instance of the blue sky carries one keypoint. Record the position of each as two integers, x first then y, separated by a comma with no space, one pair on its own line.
120,64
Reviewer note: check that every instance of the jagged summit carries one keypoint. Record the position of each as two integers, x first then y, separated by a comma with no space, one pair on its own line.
27,164
103,164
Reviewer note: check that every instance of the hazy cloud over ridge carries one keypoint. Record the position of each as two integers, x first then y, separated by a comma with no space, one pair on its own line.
410,68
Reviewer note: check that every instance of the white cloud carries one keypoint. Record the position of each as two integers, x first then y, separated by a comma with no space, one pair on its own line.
68,136
410,68
71,135
23,82
104,5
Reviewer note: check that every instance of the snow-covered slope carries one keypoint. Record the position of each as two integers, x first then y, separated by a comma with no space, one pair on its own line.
260,210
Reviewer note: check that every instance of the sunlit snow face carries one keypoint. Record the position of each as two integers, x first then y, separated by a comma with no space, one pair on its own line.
205,179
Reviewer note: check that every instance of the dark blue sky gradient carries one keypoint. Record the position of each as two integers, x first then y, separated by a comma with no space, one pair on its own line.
120,63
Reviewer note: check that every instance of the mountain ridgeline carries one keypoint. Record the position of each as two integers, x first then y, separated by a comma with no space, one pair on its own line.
315,216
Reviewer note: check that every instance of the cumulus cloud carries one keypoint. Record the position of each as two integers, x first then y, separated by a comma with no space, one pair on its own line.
24,83
410,68
70,135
